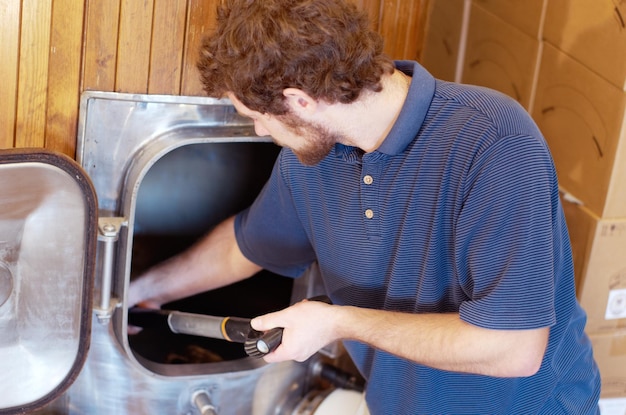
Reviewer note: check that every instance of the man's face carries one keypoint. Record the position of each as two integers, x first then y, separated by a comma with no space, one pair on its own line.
310,142
316,141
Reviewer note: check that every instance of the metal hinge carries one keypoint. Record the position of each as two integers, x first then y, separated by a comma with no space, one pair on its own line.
108,234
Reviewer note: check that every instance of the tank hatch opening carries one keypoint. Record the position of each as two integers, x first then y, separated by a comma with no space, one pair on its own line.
183,195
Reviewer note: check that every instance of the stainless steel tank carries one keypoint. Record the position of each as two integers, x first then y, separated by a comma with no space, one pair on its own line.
153,174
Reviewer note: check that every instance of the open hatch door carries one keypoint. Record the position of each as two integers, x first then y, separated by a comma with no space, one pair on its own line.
48,236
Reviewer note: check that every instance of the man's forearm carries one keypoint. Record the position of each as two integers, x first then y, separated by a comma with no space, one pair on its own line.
444,341
212,262
441,341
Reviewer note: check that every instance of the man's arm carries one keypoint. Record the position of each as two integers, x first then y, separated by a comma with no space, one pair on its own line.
213,262
441,341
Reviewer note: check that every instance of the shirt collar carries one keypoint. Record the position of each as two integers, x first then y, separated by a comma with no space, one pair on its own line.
413,113
411,117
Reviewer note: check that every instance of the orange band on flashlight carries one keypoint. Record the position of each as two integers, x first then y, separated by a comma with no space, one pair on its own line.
223,328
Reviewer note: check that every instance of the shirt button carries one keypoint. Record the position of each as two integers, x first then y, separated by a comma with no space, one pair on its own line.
368,179
369,213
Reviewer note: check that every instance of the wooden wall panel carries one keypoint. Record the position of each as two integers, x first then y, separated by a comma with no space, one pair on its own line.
100,45
400,27
33,73
168,42
9,50
201,19
133,50
416,30
372,8
400,22
64,75
53,50
391,23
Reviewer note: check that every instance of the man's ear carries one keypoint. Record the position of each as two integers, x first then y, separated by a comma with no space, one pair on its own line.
299,101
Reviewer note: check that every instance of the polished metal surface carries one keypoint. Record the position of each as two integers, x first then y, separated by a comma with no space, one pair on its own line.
120,132
160,165
112,383
6,283
42,249
122,138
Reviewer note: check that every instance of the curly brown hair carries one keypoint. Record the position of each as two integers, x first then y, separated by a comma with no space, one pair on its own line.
323,47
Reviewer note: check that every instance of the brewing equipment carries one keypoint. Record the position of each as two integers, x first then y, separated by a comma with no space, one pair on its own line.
153,174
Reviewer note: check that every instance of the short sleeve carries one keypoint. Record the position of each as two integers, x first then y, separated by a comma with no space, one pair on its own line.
505,246
269,232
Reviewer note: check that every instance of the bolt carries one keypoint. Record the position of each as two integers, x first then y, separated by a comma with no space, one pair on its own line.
108,227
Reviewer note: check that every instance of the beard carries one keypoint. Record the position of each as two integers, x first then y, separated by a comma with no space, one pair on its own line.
319,140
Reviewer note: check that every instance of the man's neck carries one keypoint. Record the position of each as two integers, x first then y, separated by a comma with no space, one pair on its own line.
368,120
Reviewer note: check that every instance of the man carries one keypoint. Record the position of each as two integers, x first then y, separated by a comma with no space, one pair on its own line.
431,208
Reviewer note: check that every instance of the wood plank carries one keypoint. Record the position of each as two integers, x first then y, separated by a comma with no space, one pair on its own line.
9,50
39,48
33,73
64,75
133,52
168,41
100,50
414,32
201,15
419,26
372,8
400,20
389,21
404,16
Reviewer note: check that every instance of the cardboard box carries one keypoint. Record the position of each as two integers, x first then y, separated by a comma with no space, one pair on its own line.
583,118
613,406
592,32
609,350
581,225
525,15
599,247
500,56
443,38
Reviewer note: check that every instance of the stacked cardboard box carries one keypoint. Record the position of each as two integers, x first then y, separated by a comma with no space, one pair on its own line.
599,250
442,41
503,47
565,61
599,247
524,15
591,32
581,103
580,106
583,117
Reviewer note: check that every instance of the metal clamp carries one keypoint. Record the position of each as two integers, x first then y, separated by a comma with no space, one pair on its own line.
108,234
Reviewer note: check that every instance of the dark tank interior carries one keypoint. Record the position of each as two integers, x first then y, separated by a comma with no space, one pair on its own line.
183,195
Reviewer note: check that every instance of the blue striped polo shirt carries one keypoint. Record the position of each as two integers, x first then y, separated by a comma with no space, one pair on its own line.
457,211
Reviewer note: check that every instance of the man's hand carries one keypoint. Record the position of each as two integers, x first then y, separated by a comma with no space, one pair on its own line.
441,341
308,327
